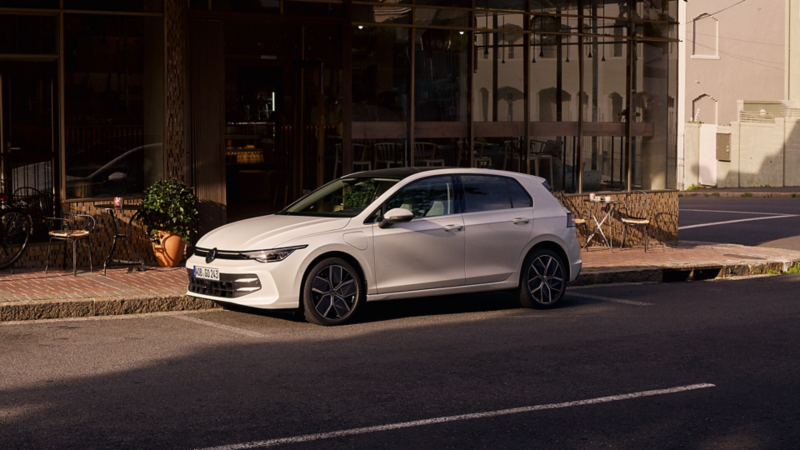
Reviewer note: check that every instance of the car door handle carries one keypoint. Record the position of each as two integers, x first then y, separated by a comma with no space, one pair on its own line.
453,227
520,220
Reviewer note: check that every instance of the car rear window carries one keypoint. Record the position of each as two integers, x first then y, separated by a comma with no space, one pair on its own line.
519,196
485,193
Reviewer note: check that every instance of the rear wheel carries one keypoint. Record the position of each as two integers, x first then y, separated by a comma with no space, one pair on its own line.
544,280
15,231
332,292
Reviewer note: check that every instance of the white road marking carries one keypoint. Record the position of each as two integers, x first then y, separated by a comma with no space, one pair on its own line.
734,212
222,327
437,420
609,299
711,224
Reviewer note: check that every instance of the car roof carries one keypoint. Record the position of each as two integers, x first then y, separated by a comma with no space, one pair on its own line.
400,173
397,172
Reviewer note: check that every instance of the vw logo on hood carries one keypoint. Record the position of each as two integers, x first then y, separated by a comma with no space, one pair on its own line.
211,255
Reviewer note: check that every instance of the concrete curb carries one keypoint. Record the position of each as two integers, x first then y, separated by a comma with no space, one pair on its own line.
706,271
59,308
108,306
701,193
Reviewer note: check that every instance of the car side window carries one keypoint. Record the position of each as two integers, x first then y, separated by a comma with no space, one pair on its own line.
519,196
428,197
485,193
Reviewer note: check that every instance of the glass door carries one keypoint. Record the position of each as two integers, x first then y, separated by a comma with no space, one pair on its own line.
28,132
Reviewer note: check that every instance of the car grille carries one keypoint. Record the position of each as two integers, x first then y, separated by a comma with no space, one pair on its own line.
221,254
229,285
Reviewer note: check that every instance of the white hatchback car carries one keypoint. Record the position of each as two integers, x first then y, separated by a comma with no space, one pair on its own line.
391,234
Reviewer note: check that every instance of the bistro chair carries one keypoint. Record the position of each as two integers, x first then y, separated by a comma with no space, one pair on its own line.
426,152
360,158
583,220
385,154
478,159
74,230
638,212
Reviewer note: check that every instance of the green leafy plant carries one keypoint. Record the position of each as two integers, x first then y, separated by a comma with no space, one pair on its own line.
170,206
693,187
794,269
747,194
359,196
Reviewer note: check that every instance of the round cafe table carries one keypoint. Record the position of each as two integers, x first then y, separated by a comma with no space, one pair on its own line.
124,237
609,207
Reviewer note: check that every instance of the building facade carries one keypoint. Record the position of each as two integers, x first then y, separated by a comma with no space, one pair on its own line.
254,102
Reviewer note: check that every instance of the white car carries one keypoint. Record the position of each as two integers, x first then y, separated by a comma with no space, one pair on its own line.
391,234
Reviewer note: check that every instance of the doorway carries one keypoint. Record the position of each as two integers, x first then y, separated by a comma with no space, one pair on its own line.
28,131
283,113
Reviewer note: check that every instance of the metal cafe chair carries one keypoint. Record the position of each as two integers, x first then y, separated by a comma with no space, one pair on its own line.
638,212
78,229
478,160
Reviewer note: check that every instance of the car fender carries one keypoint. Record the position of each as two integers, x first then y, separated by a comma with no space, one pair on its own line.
335,244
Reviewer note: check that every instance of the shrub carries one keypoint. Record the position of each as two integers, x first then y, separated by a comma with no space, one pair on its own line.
170,206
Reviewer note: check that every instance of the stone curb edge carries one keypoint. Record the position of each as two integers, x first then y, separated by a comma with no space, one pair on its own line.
700,193
109,306
705,271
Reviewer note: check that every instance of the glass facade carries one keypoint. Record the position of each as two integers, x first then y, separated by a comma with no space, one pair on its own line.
83,97
580,92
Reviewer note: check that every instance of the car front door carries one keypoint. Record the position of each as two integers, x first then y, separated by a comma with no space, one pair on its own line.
498,221
428,251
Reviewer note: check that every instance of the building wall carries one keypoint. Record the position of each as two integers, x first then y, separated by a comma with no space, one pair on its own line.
746,61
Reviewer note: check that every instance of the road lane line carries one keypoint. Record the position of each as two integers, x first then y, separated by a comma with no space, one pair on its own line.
609,299
222,327
711,224
734,212
445,419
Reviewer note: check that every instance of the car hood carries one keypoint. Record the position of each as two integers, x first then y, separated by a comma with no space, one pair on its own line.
268,231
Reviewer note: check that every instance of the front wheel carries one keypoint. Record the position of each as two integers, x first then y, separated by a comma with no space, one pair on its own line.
544,280
332,292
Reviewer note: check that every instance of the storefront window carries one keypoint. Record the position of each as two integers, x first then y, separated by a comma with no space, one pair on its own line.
499,92
114,104
145,6
28,34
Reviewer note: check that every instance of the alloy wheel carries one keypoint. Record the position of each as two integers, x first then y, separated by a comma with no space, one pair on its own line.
545,279
334,292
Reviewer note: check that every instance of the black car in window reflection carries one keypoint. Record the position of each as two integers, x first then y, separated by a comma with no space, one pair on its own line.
123,175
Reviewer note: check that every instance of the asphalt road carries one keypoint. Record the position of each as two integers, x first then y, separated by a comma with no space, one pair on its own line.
767,222
434,366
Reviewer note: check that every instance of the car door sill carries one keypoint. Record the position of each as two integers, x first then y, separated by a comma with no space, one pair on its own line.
497,286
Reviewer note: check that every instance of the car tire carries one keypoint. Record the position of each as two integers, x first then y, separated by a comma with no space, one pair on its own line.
543,279
332,292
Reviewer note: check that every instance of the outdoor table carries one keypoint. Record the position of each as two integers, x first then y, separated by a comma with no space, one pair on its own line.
125,237
598,224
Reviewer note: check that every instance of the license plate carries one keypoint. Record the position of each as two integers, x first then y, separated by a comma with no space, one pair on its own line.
206,273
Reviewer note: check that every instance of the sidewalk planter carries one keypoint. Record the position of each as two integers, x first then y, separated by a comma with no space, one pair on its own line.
170,217
169,249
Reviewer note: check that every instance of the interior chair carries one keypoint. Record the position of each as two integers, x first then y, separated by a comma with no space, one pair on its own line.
478,160
426,152
77,229
510,153
385,155
638,212
360,159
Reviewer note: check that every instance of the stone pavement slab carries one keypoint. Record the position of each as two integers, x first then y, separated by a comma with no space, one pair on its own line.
33,294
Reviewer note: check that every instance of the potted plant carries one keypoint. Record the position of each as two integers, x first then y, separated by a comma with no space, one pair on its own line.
170,216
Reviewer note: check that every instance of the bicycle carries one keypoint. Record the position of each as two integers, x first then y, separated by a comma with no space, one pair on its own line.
16,229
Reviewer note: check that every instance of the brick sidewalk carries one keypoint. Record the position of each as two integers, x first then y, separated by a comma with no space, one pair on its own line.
32,294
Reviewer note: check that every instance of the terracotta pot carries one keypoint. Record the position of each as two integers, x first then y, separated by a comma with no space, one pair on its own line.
170,252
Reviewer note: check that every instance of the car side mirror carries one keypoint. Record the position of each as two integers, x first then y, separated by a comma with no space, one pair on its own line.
396,215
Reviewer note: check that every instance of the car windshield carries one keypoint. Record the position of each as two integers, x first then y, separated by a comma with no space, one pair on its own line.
345,197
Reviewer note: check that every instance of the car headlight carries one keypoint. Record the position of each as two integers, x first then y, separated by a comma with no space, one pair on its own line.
271,255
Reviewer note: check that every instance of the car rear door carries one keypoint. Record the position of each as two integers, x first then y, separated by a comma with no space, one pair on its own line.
498,221
428,251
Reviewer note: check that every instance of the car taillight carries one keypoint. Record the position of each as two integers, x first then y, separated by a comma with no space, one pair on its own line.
570,220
